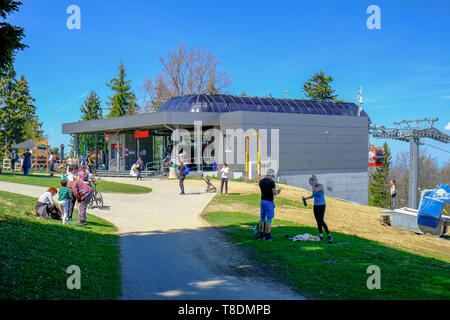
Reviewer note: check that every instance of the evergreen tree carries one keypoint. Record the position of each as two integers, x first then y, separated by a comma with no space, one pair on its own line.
18,119
90,110
10,36
318,88
379,187
123,102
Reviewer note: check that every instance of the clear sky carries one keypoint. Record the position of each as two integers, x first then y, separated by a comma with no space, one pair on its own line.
266,46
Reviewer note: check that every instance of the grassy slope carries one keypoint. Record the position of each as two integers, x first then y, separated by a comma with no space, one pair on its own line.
336,271
35,253
47,181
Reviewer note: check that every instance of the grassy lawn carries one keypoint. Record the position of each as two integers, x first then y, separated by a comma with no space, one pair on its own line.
333,271
253,200
35,253
47,181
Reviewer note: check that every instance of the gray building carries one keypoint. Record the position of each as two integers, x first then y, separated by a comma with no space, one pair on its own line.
297,138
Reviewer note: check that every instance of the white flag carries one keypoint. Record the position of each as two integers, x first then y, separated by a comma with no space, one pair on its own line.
360,99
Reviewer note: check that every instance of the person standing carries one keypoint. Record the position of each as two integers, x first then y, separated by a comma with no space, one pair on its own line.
26,165
83,193
64,199
393,194
71,178
224,179
139,168
318,193
181,176
84,173
52,163
14,159
268,191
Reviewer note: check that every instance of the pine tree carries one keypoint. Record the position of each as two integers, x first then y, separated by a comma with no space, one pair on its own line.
318,88
10,36
90,110
123,102
379,189
18,119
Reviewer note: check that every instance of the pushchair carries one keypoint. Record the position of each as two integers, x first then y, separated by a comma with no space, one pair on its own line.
210,187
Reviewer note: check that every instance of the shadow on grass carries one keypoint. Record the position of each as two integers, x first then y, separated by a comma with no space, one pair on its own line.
34,257
339,270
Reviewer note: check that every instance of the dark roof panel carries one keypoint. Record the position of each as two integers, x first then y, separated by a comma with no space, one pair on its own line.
228,103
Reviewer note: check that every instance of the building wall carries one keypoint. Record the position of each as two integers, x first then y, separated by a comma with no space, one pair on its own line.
352,186
332,147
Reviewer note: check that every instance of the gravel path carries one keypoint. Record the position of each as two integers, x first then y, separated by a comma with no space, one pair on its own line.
169,252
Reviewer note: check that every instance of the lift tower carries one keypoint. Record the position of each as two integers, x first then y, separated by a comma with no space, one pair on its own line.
411,131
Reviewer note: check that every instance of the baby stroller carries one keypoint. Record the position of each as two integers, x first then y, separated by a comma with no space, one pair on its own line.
210,187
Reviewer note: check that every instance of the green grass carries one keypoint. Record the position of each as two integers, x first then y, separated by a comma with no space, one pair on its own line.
336,271
254,200
35,254
47,181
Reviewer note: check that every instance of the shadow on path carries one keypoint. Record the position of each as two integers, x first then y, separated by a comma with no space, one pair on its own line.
192,264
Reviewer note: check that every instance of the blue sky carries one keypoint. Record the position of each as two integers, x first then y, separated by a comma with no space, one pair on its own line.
266,46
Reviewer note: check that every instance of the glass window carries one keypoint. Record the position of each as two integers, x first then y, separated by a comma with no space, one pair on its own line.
239,104
329,107
212,106
181,105
230,103
268,104
285,105
314,107
259,105
221,105
341,110
298,106
249,103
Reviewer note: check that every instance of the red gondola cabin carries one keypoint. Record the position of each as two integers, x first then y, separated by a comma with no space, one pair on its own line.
376,157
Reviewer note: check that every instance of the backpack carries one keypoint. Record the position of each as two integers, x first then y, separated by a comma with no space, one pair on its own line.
55,214
186,170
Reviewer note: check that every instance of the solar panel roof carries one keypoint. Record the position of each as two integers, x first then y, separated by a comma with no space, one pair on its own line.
228,103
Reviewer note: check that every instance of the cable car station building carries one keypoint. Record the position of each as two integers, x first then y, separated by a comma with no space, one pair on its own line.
296,137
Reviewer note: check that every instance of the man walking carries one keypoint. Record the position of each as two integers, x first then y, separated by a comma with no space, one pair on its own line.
268,191
181,176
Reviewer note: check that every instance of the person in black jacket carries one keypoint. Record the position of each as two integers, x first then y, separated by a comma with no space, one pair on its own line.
181,176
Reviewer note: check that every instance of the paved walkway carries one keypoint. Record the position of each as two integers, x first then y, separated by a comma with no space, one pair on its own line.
169,252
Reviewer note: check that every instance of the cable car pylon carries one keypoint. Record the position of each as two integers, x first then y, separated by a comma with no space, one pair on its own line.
411,131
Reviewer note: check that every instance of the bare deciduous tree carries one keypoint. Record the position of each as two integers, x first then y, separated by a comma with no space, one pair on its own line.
184,72
430,174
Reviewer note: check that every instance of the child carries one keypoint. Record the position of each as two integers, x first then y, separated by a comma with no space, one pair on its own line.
65,197
83,174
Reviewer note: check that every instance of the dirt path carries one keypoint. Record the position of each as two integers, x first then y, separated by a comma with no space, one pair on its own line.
169,252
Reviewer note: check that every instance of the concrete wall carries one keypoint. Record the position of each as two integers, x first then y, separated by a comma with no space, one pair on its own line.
332,147
352,186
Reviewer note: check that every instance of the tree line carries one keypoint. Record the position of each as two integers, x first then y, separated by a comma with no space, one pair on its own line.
183,71
430,175
18,119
